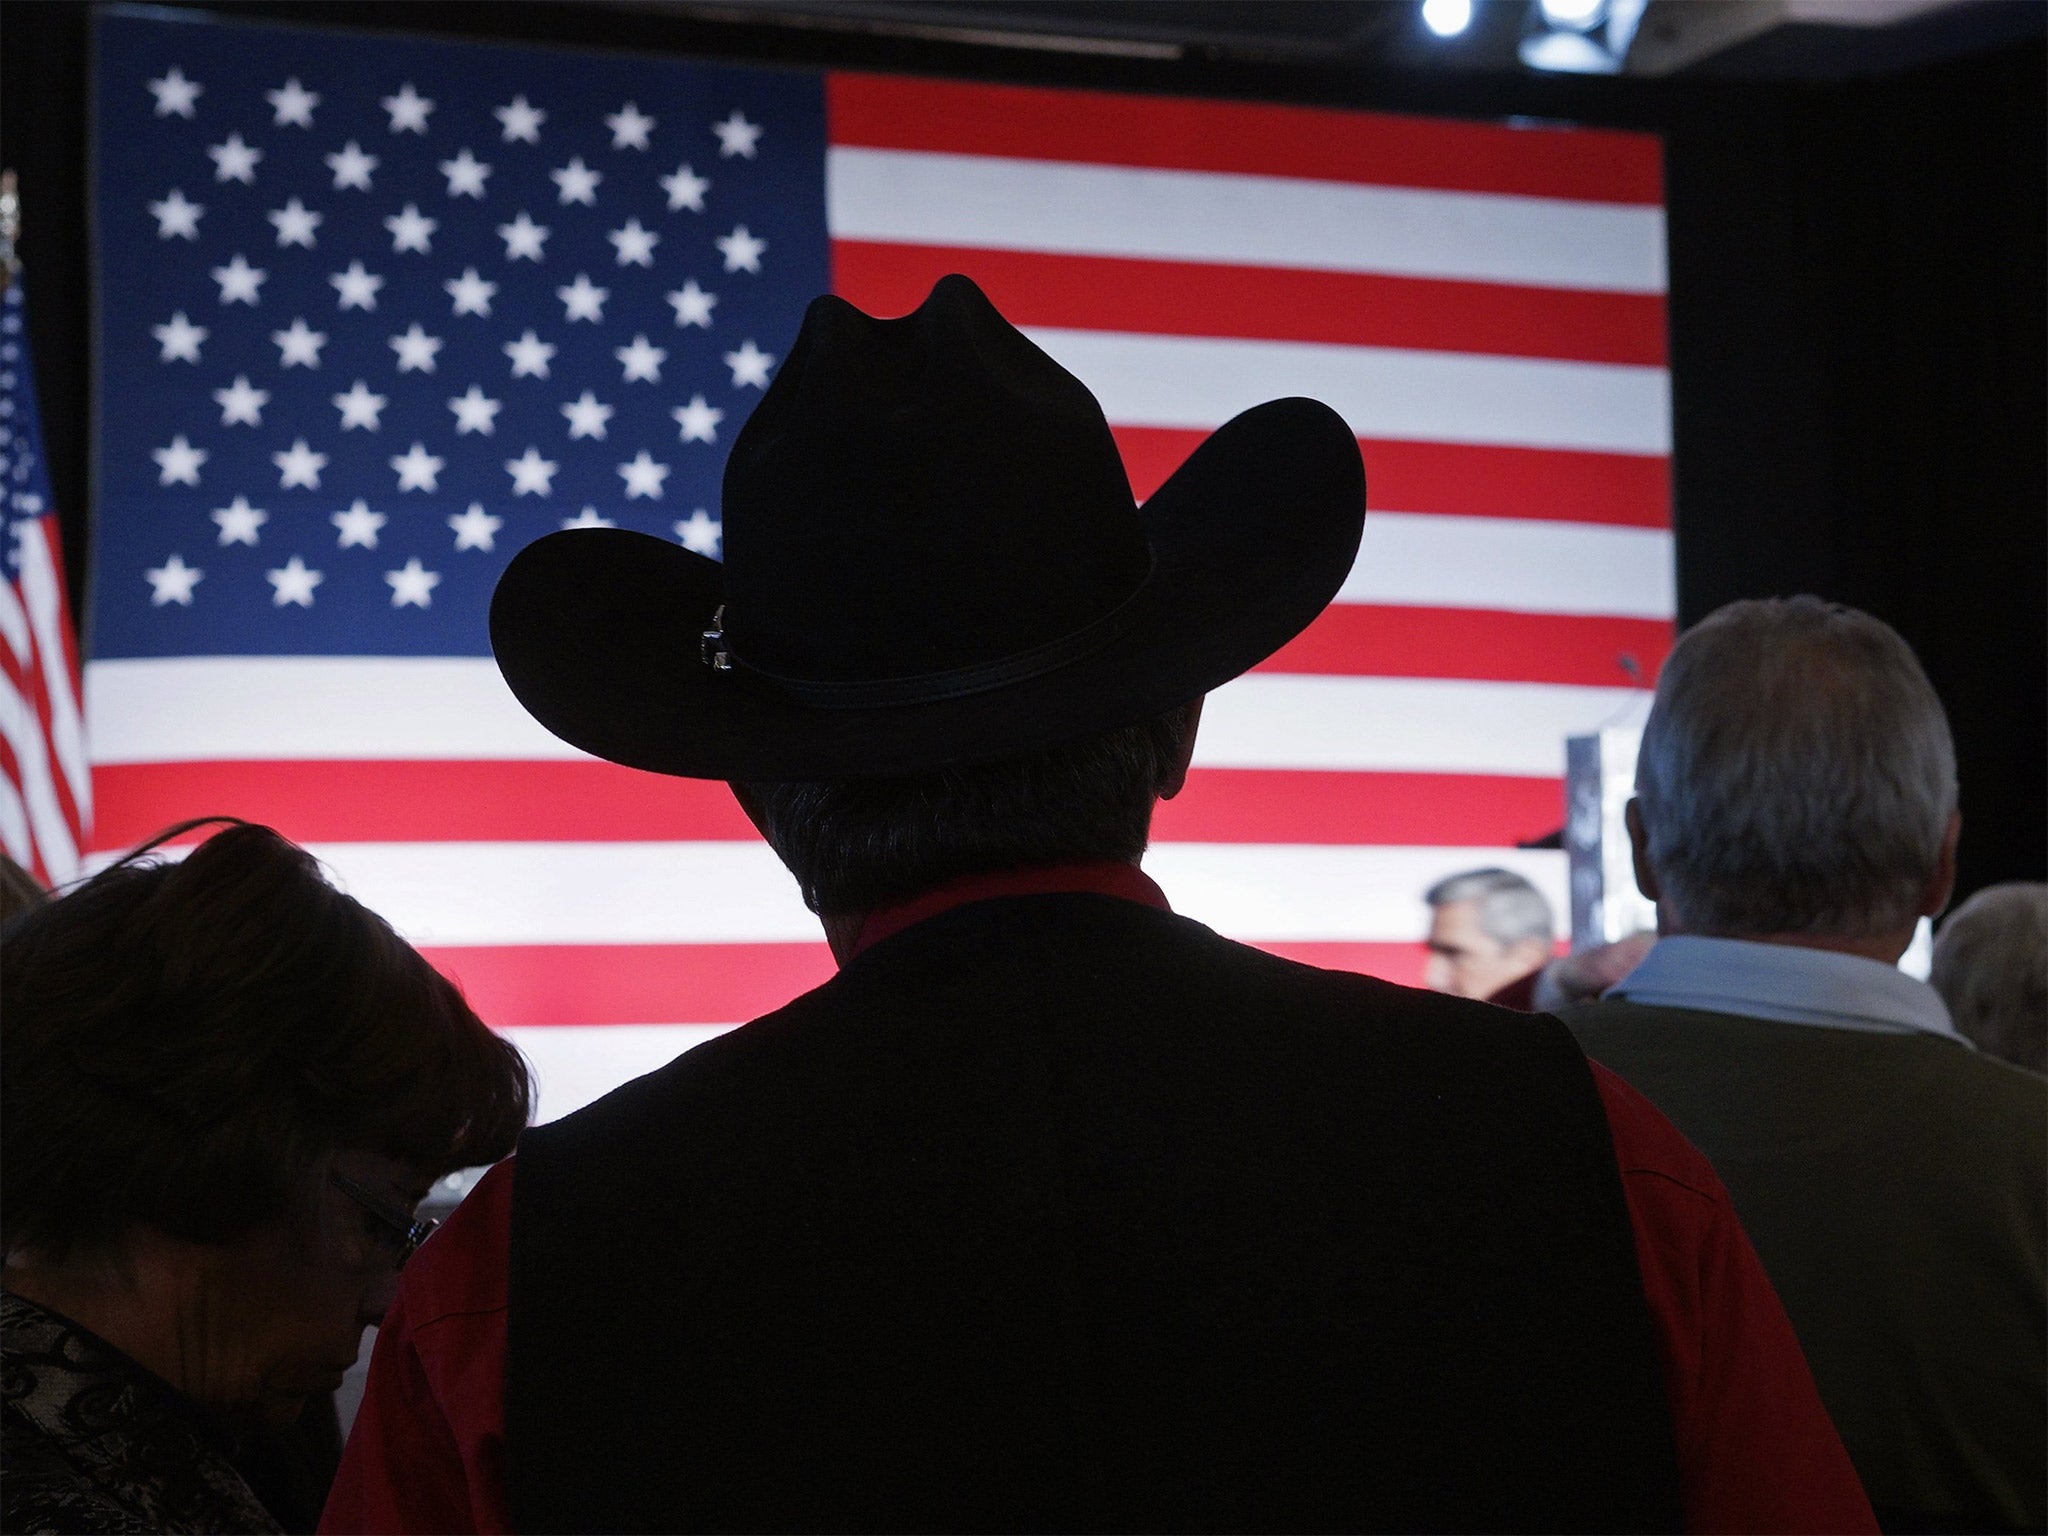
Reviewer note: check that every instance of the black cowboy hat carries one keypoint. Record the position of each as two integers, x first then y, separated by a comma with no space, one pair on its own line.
932,556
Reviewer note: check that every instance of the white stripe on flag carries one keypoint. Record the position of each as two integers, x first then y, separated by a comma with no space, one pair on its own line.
576,1064
923,198
14,835
739,893
1432,397
14,624
1519,565
298,708
1403,724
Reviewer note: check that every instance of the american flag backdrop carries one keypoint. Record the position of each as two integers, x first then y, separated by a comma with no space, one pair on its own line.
376,312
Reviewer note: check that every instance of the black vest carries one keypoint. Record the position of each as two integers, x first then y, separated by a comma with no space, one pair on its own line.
1062,1213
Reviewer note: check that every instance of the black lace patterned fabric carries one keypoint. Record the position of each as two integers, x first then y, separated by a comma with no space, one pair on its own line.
91,1442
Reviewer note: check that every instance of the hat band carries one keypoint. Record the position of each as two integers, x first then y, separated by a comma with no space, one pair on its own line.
956,682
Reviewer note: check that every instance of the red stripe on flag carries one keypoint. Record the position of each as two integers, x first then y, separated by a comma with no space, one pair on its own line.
631,983
1354,638
1313,143
1172,298
1549,485
1398,963
1255,805
728,983
438,801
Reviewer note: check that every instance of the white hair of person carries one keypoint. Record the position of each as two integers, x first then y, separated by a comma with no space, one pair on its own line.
1991,968
1796,774
1510,909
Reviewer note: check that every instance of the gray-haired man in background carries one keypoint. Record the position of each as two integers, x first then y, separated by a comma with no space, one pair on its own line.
1795,816
1488,929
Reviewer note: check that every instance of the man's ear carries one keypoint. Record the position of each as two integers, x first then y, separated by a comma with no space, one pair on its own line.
1639,849
1177,778
1942,883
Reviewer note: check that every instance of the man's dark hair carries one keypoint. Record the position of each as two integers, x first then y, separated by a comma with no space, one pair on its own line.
858,843
186,1043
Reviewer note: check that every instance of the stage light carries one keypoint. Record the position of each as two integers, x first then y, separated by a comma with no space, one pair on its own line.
1447,18
1573,15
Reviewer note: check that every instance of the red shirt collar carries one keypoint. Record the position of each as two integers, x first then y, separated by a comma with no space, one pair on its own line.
1104,878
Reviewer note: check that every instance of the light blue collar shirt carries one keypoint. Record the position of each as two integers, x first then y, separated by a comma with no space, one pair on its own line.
1786,984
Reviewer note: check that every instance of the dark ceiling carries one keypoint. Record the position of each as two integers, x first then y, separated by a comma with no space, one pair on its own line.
1387,35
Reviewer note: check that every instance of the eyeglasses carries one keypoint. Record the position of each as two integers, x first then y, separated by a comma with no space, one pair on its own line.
404,1231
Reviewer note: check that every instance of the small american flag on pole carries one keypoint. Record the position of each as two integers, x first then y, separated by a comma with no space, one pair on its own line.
45,785
376,313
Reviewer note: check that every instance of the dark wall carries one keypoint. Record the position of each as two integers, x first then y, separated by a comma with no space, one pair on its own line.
1857,329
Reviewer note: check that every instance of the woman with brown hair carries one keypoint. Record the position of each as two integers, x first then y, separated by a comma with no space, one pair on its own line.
226,1086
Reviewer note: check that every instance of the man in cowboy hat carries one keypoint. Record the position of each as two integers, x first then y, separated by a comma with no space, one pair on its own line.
1053,1209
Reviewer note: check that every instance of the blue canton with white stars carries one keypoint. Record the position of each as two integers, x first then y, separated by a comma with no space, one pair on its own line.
377,312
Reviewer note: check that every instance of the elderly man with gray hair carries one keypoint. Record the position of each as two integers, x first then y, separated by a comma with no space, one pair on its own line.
1488,929
1795,817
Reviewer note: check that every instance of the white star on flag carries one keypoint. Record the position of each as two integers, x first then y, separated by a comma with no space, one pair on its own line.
742,251
418,470
298,346
179,463
415,350
634,244
177,216
293,104
476,528
294,583
413,584
360,407
174,93
299,465
472,294
356,288
465,174
239,521
234,160
475,412
699,533
531,474
737,136
241,403
358,525
576,183
630,127
411,230
749,365
520,121
587,416
588,518
179,338
685,189
239,281
693,305
523,238
582,300
698,420
295,223
529,356
172,582
642,361
351,167
643,476
408,110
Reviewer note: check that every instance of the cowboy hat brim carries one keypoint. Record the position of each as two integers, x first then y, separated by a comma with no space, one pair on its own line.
598,631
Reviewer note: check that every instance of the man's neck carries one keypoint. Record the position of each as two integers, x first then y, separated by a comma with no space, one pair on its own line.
1884,948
